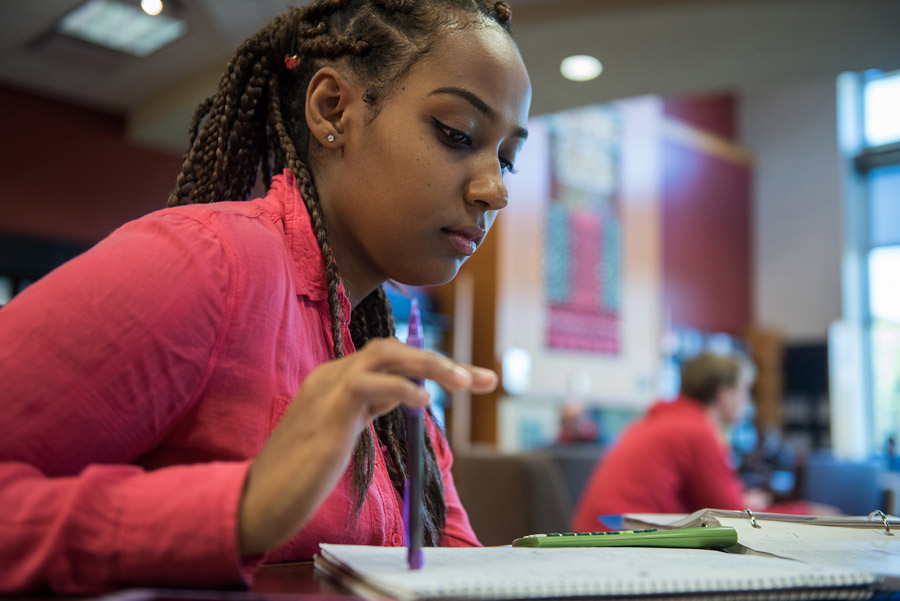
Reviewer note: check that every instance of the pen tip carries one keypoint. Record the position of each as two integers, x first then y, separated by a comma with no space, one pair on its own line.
416,560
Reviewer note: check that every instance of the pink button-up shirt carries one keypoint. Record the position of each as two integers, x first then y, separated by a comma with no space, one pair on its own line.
141,378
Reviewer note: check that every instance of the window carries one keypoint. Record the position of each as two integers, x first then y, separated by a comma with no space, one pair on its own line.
871,140
884,307
881,97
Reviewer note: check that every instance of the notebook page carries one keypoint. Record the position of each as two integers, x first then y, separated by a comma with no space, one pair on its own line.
525,573
865,549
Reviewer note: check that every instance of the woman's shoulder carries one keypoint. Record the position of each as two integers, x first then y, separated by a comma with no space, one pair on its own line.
236,228
245,217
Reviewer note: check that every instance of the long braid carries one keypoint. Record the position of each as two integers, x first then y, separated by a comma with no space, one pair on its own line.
311,199
241,134
364,453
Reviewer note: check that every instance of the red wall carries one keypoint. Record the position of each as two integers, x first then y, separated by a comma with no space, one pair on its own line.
713,113
68,173
707,228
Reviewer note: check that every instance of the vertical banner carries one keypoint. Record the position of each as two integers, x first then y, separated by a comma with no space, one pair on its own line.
583,260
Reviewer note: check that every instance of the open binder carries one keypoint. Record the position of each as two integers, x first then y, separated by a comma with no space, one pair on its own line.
704,517
865,543
606,573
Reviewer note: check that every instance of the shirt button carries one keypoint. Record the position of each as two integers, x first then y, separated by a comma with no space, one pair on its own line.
396,540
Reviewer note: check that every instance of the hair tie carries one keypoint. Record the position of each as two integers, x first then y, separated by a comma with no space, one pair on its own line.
291,61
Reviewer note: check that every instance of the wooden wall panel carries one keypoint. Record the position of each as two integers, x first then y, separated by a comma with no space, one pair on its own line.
68,173
706,231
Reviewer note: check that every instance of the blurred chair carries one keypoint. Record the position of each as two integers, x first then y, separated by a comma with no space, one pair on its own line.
854,487
508,495
575,462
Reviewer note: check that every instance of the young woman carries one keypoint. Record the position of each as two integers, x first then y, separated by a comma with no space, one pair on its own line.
143,381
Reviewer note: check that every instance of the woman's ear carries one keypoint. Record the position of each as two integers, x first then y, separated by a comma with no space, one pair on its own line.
327,99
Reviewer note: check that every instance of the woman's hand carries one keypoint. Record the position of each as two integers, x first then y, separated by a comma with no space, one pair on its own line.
309,449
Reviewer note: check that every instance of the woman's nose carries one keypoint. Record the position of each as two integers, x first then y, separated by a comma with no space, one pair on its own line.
487,188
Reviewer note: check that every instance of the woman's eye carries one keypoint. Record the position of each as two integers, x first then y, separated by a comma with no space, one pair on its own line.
459,139
453,136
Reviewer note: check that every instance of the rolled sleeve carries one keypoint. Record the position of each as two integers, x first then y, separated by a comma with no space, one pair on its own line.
101,360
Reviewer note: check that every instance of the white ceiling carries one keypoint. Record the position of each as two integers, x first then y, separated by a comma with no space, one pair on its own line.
667,47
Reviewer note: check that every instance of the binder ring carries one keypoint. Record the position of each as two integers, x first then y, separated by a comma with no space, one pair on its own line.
753,518
884,520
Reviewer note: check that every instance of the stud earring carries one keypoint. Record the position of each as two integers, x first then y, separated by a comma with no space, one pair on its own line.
330,137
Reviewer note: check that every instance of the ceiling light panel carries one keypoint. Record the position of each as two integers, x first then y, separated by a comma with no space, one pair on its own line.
121,27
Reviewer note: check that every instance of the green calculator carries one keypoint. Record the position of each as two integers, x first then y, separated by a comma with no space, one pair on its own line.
686,538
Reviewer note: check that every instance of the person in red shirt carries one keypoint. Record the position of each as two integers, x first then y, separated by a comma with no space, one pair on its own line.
675,459
216,384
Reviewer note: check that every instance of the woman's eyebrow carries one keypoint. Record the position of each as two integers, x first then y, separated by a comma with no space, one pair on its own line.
479,104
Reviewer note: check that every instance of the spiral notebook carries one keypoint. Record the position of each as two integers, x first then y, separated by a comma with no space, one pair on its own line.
517,573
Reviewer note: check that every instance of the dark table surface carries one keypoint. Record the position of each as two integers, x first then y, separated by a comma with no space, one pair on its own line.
296,580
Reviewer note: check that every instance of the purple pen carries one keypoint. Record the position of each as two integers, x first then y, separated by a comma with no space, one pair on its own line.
413,501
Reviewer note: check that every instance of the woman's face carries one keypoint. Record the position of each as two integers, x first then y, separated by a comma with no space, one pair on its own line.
420,185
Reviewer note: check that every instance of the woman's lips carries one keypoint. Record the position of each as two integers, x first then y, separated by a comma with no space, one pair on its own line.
465,239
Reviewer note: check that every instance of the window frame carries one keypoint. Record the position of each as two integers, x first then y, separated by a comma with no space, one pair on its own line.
860,159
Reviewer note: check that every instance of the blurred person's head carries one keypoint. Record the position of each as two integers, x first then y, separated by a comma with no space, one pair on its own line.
575,425
721,382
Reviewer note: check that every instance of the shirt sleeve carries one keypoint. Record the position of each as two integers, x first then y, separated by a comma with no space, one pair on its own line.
98,361
457,531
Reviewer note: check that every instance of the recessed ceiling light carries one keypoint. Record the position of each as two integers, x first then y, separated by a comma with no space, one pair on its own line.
580,67
152,7
122,27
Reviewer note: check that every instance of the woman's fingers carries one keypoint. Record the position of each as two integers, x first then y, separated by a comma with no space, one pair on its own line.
309,449
382,392
483,380
389,355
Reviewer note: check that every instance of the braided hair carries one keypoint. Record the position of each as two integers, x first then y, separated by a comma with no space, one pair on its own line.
254,126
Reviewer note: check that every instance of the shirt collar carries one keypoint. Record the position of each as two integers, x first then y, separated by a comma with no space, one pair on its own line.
680,404
309,266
